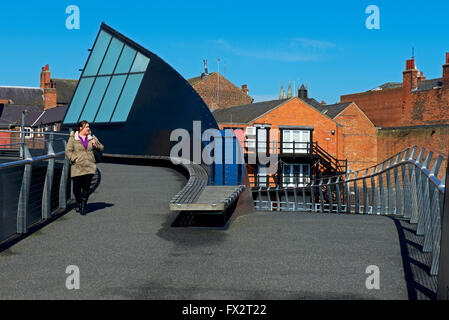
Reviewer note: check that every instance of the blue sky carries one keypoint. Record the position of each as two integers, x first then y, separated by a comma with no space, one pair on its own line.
262,43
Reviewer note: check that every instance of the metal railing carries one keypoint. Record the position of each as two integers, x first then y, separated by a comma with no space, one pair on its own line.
33,188
405,185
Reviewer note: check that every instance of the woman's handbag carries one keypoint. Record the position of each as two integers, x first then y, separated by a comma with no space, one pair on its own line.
97,154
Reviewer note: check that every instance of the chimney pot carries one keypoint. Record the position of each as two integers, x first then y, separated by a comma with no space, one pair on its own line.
447,57
410,64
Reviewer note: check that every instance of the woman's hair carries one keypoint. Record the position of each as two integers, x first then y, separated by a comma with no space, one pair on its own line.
81,124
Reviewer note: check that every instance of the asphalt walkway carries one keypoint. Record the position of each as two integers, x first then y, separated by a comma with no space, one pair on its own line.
126,248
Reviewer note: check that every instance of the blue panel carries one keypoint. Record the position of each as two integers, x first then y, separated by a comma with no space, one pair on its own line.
219,160
111,57
97,54
126,60
110,99
93,102
78,100
140,63
231,175
127,98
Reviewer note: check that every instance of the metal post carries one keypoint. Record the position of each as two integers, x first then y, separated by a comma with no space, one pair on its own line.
365,193
418,189
329,194
270,205
304,198
390,200
46,194
374,191
320,186
278,205
356,194
23,205
286,199
347,194
63,181
338,195
382,190
399,209
312,195
423,219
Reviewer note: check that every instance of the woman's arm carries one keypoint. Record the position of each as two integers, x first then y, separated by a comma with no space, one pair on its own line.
69,150
98,144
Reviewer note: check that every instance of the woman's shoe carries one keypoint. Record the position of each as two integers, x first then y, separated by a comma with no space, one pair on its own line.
78,207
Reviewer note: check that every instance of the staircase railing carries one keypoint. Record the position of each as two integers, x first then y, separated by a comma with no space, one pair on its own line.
405,185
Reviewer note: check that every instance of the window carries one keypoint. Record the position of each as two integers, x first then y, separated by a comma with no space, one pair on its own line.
296,141
28,132
295,174
127,97
109,84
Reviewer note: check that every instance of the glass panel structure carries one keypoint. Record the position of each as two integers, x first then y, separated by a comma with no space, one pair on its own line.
110,60
110,82
91,107
78,101
96,57
110,99
127,97
126,60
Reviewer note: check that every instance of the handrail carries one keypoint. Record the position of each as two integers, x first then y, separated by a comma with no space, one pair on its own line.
407,187
43,190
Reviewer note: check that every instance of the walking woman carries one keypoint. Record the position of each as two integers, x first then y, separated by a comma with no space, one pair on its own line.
80,152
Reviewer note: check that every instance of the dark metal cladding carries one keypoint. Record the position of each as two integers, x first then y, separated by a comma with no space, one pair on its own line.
165,101
443,273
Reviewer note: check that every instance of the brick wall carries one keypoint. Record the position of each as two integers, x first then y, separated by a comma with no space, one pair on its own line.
50,97
383,107
359,138
229,94
393,140
405,106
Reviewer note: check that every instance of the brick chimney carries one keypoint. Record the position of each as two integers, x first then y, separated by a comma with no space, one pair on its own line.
446,72
50,98
410,76
245,89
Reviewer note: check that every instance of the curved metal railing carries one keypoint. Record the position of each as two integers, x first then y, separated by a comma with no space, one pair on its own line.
405,185
33,188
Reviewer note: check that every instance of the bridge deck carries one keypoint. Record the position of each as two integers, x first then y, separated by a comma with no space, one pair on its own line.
126,249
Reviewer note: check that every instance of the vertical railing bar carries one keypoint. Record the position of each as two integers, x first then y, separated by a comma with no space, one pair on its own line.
312,195
374,191
23,206
382,190
338,195
46,194
329,194
356,194
347,194
365,193
398,189
63,181
295,198
390,200
320,186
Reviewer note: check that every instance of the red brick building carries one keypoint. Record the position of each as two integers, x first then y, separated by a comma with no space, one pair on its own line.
414,112
305,134
415,101
218,92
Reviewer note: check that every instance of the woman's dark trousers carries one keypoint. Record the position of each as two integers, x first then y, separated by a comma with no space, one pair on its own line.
81,187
